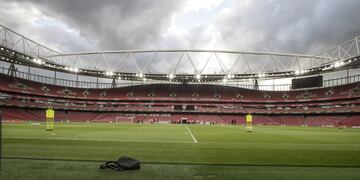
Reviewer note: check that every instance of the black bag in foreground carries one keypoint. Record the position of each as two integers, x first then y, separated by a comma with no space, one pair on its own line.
123,163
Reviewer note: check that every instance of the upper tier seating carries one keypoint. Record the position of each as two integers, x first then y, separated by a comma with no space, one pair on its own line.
178,92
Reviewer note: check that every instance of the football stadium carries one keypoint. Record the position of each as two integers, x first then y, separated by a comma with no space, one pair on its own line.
204,114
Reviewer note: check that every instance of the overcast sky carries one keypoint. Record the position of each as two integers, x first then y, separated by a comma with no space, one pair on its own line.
293,26
297,26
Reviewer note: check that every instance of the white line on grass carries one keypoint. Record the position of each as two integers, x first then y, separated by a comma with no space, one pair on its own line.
193,137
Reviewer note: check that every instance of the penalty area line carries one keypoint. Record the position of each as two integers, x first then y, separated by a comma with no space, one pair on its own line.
193,137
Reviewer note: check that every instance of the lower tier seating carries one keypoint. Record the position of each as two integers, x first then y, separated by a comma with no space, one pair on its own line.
28,114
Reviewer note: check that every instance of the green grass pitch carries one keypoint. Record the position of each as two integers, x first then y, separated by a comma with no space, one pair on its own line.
75,150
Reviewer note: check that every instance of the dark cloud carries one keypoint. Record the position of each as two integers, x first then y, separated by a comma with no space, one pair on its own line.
127,24
268,25
27,19
295,26
290,25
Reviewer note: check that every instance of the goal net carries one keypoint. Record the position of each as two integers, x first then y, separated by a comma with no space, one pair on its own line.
124,119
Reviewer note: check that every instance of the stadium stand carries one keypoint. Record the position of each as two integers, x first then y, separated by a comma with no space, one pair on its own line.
171,102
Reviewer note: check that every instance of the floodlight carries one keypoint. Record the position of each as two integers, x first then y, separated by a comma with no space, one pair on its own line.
171,76
261,75
109,73
37,61
198,76
337,64
229,76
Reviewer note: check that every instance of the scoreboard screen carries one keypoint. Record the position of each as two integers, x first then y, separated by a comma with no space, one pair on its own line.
308,82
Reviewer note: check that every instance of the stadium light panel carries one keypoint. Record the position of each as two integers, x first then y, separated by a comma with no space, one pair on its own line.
229,76
109,73
261,75
171,76
337,64
141,75
37,61
71,69
198,76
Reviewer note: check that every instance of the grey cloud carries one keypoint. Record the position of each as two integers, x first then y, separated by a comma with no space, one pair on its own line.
101,25
25,21
124,24
291,25
268,25
295,26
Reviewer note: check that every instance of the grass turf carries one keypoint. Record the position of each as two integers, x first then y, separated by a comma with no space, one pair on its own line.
282,149
41,169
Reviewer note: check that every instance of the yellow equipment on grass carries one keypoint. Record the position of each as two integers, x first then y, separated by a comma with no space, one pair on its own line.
248,119
50,116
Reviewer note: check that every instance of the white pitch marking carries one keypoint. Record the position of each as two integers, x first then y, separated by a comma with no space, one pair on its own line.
193,137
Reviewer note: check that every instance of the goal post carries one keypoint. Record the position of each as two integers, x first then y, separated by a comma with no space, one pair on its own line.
124,119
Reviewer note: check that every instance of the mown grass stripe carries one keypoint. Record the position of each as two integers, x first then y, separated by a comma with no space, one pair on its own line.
102,140
180,163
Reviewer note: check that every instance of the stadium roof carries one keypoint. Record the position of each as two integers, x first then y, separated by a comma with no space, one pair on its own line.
183,65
